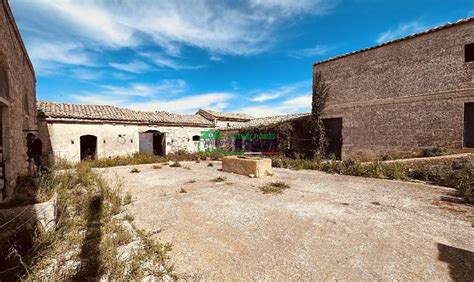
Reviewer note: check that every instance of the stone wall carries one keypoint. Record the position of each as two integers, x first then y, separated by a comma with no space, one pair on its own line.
403,96
18,105
62,139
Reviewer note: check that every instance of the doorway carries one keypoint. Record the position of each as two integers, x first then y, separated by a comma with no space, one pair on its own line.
88,147
333,128
158,144
469,125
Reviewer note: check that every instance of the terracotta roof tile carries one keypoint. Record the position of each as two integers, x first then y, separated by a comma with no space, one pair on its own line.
264,121
211,115
53,110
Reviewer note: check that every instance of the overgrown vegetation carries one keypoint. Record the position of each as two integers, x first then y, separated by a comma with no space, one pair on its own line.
274,187
91,239
459,175
319,97
136,159
127,199
435,152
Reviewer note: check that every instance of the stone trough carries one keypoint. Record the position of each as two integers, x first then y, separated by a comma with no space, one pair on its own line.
259,167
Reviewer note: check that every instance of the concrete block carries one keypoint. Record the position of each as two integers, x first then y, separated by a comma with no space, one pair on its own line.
259,167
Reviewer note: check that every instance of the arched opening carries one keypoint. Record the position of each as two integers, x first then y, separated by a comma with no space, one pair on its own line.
88,147
196,138
152,142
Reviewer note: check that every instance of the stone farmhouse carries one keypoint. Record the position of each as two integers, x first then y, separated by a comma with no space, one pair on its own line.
17,102
225,120
74,132
403,95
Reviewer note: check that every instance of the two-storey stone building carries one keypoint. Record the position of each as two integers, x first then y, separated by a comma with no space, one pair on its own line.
403,95
17,102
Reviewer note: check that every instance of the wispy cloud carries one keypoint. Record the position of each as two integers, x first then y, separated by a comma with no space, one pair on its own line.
401,31
287,90
185,105
311,52
220,27
134,66
298,104
68,53
87,74
165,87
163,61
188,104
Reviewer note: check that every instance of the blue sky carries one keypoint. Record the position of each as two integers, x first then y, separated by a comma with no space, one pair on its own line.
251,56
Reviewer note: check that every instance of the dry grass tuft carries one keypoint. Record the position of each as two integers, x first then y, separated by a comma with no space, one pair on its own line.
274,187
219,179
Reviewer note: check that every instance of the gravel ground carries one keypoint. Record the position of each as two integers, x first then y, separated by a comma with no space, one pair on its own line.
324,227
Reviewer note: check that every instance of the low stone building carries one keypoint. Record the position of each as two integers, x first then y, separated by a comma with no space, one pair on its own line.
225,120
403,95
17,102
74,132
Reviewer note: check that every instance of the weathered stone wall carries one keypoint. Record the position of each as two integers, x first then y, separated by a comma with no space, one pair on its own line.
403,96
62,140
222,124
18,106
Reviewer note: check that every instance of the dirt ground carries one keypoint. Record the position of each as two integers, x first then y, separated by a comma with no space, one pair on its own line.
324,227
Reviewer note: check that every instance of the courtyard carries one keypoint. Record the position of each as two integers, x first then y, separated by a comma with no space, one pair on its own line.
324,226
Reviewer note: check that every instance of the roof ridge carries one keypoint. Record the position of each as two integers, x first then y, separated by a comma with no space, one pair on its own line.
427,31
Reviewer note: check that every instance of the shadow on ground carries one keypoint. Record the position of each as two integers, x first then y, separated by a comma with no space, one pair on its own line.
90,250
460,262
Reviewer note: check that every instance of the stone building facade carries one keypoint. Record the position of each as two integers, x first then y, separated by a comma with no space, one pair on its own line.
74,132
404,95
225,120
17,102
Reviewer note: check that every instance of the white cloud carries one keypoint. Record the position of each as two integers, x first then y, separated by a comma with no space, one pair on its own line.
401,31
245,27
165,87
87,74
311,52
188,104
162,61
299,104
184,105
69,54
289,7
134,67
287,90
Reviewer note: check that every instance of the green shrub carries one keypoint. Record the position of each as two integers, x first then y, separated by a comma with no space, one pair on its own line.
274,187
434,152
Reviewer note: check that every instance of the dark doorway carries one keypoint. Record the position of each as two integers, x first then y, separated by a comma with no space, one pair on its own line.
469,125
158,144
88,147
333,128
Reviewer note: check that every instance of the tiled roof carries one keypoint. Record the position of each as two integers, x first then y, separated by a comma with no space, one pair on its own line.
264,121
461,21
64,111
211,115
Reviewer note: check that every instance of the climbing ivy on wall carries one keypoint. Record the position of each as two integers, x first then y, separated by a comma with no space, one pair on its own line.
319,97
